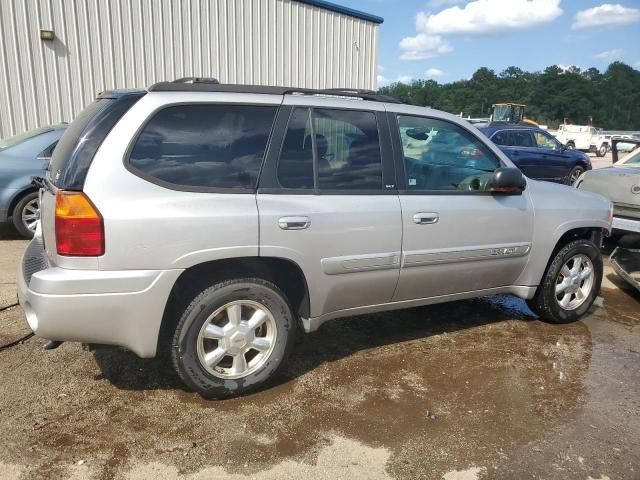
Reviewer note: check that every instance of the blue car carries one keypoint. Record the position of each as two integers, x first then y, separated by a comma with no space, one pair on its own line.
537,153
22,157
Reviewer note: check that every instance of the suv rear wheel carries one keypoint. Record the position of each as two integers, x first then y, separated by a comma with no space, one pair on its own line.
233,338
570,284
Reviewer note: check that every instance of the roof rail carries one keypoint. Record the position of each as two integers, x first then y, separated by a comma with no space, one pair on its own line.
201,86
197,80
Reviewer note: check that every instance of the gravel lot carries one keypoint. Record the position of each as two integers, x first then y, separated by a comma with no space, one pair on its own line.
470,390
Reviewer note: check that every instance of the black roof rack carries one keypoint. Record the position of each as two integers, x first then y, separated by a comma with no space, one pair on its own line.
211,80
180,86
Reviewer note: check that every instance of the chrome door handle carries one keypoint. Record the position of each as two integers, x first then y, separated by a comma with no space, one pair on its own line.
294,223
426,218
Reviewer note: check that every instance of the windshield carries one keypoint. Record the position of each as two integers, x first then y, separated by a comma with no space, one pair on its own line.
632,159
18,139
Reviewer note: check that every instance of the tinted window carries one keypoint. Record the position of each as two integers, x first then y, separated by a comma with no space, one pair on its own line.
502,138
295,166
71,137
522,138
203,145
348,150
439,155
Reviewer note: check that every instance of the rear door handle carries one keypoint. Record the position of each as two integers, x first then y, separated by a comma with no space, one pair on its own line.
294,223
426,218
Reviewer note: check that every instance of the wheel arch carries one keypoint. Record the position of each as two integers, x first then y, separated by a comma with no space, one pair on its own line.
19,195
284,273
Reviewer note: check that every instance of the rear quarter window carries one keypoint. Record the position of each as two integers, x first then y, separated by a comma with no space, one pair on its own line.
204,146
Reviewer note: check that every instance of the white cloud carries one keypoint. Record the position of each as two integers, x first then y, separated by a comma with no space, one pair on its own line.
609,55
566,68
384,81
606,14
433,72
637,64
482,17
423,46
478,17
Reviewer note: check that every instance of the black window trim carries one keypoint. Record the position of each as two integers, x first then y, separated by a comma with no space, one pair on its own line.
399,158
269,184
199,189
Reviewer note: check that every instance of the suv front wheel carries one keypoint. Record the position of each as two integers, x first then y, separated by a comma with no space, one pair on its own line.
570,284
233,337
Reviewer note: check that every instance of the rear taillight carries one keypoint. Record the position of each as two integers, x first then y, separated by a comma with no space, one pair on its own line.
79,226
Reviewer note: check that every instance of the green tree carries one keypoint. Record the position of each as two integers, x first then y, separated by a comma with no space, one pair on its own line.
611,99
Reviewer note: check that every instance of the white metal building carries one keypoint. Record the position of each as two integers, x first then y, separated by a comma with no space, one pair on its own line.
56,55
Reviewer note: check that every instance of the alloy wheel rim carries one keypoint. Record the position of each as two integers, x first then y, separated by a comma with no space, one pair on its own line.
574,282
237,339
575,175
31,215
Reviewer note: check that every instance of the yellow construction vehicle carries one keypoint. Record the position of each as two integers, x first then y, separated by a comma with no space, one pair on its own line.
509,113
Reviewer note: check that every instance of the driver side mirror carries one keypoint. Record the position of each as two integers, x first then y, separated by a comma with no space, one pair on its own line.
508,181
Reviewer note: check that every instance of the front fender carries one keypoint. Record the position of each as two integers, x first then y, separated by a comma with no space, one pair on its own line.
559,209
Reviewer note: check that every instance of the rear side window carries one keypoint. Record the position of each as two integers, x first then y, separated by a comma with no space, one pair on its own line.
523,139
348,150
344,143
204,145
502,138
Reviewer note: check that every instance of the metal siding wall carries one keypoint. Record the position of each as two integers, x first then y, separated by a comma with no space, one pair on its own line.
106,44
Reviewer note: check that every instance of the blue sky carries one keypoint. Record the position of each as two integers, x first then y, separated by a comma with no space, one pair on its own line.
448,40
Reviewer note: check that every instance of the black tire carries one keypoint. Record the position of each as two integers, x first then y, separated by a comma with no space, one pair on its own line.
570,145
18,223
602,151
545,304
184,345
574,175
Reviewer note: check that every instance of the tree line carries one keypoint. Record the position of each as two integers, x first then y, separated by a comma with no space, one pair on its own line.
611,99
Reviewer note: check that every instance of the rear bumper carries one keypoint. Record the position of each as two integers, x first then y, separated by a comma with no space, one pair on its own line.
122,308
626,224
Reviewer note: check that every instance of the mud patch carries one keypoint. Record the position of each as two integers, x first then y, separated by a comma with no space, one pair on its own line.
436,388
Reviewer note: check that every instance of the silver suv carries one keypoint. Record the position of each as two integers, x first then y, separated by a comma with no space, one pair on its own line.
214,222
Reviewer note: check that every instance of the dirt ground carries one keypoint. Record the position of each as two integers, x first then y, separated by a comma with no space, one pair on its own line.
469,390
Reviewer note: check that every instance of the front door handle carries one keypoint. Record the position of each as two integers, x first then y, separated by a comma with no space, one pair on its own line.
294,223
426,218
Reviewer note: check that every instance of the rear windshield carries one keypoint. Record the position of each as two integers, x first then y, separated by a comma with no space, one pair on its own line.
69,140
7,143
74,153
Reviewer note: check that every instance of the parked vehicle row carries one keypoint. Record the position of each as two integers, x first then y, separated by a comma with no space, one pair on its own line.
213,222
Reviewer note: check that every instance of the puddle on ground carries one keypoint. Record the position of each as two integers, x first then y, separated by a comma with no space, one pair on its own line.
436,386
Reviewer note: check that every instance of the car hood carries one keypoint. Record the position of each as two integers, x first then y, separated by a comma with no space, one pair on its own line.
619,184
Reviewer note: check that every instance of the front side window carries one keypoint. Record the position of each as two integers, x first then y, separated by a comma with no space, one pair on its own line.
204,145
546,141
342,145
439,155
